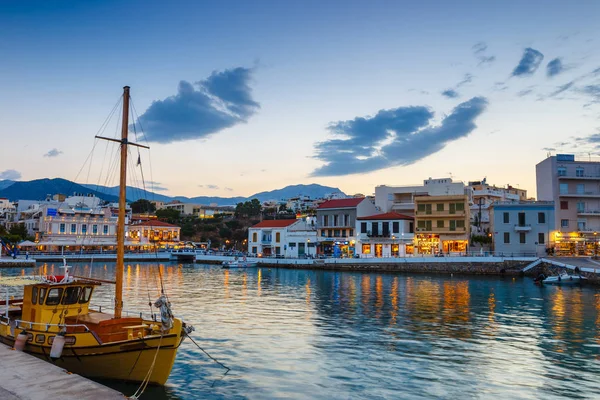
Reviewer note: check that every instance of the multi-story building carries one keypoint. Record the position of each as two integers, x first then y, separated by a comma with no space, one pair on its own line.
336,224
282,237
150,233
384,235
401,199
198,210
574,187
522,228
482,195
442,224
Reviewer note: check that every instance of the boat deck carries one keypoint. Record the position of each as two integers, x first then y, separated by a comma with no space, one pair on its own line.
23,376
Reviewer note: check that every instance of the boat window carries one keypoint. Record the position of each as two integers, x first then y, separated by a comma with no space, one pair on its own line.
34,295
54,296
42,294
71,295
40,338
85,296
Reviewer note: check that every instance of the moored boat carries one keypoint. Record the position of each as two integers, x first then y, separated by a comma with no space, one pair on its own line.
564,279
236,263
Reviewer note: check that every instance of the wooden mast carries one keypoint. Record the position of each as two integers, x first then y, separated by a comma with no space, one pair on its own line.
122,204
124,142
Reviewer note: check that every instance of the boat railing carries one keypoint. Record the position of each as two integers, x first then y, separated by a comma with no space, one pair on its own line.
127,313
23,324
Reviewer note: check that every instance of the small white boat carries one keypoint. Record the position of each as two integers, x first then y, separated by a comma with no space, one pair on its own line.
564,279
239,264
183,255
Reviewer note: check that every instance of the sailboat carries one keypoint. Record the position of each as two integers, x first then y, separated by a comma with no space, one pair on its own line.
54,320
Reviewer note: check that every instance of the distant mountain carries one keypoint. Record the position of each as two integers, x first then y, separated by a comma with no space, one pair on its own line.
5,183
38,190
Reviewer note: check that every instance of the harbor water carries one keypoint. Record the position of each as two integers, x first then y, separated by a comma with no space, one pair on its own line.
305,334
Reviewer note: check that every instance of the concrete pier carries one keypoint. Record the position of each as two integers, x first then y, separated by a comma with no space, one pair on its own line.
25,377
19,262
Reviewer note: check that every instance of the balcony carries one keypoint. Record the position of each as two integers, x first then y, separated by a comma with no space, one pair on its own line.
442,230
437,214
403,205
585,177
595,213
580,194
522,227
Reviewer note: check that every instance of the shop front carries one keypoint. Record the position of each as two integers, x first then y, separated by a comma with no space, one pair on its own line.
427,244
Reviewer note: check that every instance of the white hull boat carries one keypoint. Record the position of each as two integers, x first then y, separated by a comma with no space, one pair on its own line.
564,279
239,264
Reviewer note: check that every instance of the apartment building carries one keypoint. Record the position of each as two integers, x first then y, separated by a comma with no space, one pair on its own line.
384,235
282,237
482,195
522,228
574,186
442,224
336,224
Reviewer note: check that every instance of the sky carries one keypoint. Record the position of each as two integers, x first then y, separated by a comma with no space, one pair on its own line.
238,97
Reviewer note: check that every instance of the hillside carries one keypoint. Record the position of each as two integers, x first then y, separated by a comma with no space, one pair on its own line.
39,189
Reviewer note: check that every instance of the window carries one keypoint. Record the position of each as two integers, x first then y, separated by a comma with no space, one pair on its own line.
452,208
506,237
255,236
34,295
351,232
564,223
579,171
336,233
54,296
564,205
396,227
277,237
428,225
460,223
421,224
62,228
385,227
95,229
562,171
440,223
521,219
325,220
105,229
581,225
541,218
375,228
366,249
581,206
71,295
452,225
411,227
439,207
346,219
335,220
564,188
522,237
427,208
363,227
277,250
42,295
254,250
421,208
84,229
460,206
85,296
506,217
580,188
541,238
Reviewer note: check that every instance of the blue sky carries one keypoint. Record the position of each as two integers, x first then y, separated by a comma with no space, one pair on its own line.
239,97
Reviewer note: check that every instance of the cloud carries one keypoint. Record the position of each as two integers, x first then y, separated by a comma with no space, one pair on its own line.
468,78
530,62
525,92
229,189
211,187
562,88
554,67
53,153
450,93
400,136
593,91
548,149
10,174
156,186
201,109
478,50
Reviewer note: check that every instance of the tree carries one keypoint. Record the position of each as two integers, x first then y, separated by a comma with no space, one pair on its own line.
171,215
187,230
19,230
142,206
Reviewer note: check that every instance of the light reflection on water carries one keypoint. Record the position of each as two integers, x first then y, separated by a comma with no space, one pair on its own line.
320,335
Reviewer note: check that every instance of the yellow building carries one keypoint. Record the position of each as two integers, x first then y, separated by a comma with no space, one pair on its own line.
442,224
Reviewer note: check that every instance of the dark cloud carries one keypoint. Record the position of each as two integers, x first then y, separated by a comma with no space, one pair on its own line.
478,50
198,110
554,67
593,91
10,174
211,187
450,93
156,186
400,136
525,92
229,189
468,78
530,62
562,88
53,153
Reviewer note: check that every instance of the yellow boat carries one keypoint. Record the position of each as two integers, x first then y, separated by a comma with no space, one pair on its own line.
53,320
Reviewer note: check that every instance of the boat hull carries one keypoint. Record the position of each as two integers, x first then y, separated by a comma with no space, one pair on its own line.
127,360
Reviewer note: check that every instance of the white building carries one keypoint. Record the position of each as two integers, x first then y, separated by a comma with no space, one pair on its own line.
482,195
384,235
401,198
283,237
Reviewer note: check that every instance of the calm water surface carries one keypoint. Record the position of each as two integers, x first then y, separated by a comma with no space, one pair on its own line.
295,334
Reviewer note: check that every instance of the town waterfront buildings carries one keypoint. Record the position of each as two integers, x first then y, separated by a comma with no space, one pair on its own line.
522,228
482,195
384,235
574,187
283,237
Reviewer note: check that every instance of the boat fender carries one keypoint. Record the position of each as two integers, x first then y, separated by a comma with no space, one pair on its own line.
166,316
57,345
21,340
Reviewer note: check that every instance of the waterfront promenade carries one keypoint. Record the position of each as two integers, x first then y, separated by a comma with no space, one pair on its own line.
25,377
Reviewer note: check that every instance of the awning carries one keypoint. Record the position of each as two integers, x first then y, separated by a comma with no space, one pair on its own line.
27,243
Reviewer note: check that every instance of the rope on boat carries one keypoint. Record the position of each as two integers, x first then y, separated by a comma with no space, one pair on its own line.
146,380
211,357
